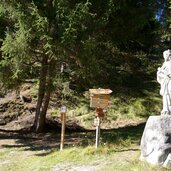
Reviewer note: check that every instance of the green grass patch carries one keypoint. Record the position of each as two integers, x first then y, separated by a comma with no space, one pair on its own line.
122,107
118,150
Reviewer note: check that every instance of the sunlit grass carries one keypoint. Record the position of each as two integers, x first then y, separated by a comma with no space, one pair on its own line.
123,107
112,143
105,158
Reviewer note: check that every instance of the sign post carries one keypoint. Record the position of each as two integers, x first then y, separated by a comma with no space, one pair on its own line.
63,121
100,100
97,132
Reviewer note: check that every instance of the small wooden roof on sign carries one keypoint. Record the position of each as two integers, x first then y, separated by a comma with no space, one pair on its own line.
100,91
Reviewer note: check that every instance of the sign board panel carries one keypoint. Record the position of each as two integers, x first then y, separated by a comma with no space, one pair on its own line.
63,109
96,122
100,98
100,101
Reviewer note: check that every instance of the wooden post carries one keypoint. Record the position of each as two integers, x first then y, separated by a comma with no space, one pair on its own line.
63,121
97,131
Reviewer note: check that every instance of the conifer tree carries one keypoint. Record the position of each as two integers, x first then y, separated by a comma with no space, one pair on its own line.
86,35
42,34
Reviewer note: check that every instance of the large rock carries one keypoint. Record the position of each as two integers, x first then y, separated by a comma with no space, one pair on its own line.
156,141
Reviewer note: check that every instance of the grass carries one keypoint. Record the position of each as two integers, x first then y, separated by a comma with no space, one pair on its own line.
125,104
123,107
119,151
119,161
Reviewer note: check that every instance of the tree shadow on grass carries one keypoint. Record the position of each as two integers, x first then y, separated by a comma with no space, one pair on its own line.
45,143
116,136
132,133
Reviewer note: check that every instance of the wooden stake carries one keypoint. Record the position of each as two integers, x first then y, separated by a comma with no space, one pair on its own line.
63,120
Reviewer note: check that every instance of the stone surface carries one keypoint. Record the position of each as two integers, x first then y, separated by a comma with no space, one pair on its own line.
164,78
156,141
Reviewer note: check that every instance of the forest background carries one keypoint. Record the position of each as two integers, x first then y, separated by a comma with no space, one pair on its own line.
64,48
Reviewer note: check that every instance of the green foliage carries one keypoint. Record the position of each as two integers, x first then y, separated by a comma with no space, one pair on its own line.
80,34
71,20
14,48
126,107
34,30
98,44
169,18
164,30
129,107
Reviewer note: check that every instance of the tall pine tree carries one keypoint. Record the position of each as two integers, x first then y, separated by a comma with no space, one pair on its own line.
89,36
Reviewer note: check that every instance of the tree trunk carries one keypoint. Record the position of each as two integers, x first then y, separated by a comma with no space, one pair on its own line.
41,122
41,117
41,91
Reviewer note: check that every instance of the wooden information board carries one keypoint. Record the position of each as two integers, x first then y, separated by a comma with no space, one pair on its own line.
100,98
